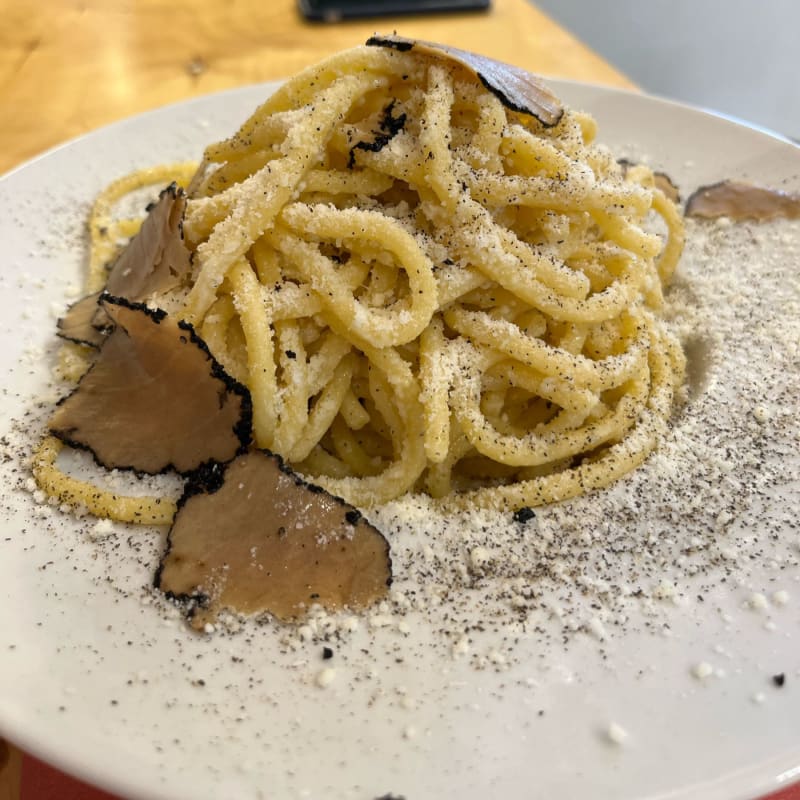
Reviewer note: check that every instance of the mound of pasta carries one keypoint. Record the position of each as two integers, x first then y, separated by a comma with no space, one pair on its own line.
428,285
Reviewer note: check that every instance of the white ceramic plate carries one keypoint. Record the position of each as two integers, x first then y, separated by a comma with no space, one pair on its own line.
97,681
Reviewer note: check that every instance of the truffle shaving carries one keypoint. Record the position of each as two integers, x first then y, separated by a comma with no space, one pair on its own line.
263,540
740,201
155,398
667,186
155,261
514,87
78,324
662,181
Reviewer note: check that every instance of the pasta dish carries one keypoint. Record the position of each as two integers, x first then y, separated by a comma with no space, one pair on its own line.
426,284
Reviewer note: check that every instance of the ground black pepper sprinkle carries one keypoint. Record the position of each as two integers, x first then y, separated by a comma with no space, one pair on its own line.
524,514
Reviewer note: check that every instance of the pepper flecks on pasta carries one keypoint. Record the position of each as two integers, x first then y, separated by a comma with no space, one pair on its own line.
426,290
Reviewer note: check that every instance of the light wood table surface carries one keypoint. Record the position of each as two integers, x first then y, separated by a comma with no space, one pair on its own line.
69,66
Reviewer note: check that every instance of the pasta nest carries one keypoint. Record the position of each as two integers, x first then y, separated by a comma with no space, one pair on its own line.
427,291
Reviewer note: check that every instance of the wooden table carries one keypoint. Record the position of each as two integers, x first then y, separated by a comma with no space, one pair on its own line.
69,66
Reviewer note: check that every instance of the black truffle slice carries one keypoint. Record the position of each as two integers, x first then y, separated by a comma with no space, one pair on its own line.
667,185
155,398
514,87
77,324
741,201
661,179
389,126
155,261
264,540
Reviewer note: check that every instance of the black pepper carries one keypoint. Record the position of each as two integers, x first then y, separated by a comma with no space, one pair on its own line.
524,514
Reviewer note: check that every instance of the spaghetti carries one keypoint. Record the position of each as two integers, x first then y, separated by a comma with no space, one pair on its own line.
426,290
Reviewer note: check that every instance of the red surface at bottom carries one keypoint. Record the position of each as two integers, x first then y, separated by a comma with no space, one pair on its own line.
43,782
